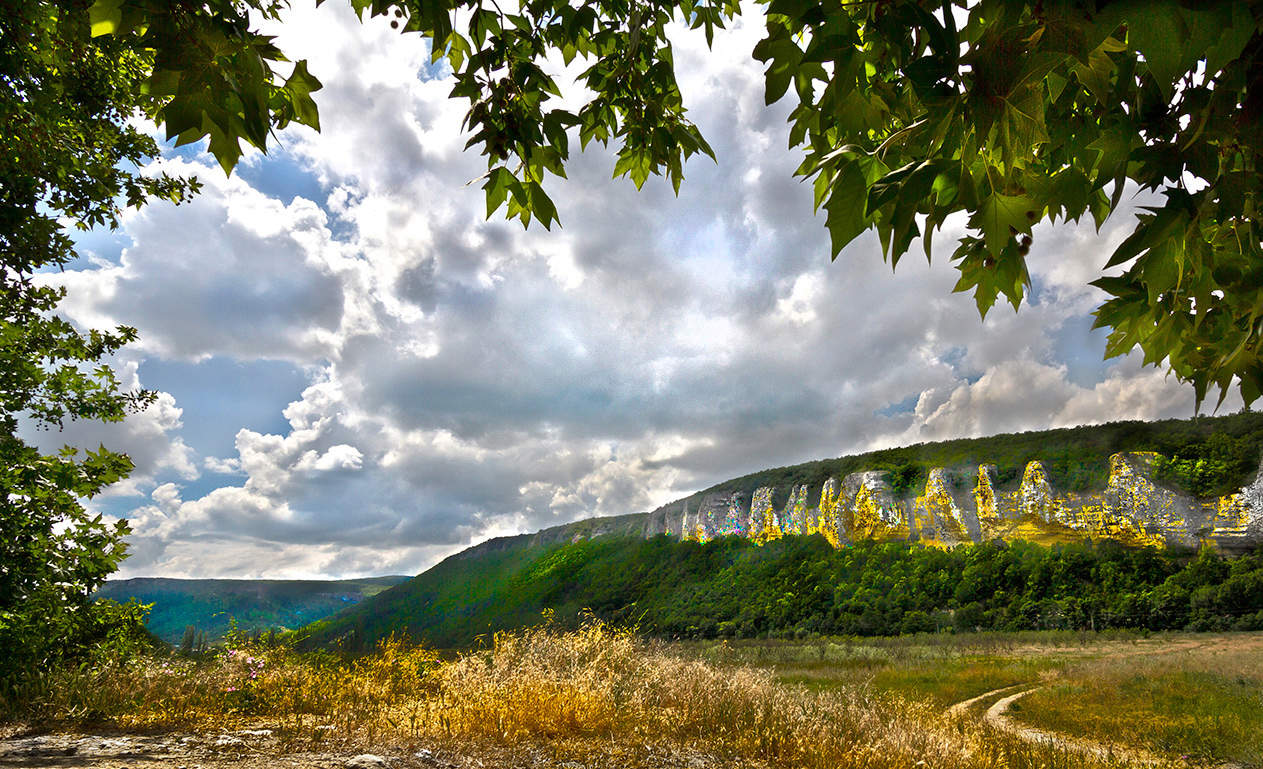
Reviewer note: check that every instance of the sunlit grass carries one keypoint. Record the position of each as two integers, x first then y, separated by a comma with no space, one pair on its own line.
596,686
1206,703
939,668
1186,697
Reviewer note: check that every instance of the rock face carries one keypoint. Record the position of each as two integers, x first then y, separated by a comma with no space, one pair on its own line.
966,505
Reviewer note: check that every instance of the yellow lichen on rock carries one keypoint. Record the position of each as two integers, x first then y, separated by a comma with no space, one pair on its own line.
1132,498
794,517
1035,494
1102,522
827,520
936,512
876,516
866,520
1132,509
1230,516
764,526
990,520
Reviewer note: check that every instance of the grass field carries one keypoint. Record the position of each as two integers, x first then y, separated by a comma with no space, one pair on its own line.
838,703
939,669
1204,701
1187,698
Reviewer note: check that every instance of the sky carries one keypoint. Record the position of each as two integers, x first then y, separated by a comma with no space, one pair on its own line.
360,374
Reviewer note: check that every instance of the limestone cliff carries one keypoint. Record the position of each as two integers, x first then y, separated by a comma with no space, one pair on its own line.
966,505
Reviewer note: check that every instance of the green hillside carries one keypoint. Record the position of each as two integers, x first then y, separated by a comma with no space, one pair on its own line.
209,604
801,585
796,586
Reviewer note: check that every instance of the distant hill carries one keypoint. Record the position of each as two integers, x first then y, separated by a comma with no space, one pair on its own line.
209,604
1056,487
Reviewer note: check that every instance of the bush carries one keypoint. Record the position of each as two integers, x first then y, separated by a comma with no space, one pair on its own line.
106,635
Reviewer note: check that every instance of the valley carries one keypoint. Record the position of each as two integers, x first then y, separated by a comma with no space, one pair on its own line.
211,606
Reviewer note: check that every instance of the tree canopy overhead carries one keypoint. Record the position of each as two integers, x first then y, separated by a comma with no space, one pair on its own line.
907,112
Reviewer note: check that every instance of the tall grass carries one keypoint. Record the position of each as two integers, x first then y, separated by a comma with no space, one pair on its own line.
594,686
1205,703
941,669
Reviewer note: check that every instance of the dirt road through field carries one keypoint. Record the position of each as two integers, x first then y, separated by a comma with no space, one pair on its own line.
999,703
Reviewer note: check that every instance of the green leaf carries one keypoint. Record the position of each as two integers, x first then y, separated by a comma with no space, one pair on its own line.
1000,216
1056,84
783,57
1169,222
163,82
105,16
913,193
1021,127
1157,29
300,85
542,205
1232,38
1096,74
1069,191
845,207
497,188
989,275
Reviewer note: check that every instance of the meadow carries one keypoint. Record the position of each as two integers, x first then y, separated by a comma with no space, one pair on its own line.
595,691
1184,698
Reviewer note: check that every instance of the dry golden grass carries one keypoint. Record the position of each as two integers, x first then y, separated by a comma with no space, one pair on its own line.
542,686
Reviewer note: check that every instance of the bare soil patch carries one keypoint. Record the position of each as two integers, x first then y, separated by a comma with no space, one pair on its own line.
262,749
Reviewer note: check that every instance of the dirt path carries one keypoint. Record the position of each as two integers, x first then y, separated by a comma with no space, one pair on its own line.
961,708
1003,699
997,716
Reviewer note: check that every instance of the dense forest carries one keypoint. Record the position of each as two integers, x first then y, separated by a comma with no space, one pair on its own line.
800,586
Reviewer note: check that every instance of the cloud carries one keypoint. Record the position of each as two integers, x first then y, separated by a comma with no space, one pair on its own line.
1024,395
234,273
462,378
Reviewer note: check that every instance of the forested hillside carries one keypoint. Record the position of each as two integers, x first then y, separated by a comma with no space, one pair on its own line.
798,586
1205,456
624,571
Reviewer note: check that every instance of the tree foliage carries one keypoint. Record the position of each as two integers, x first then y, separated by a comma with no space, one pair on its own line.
69,155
